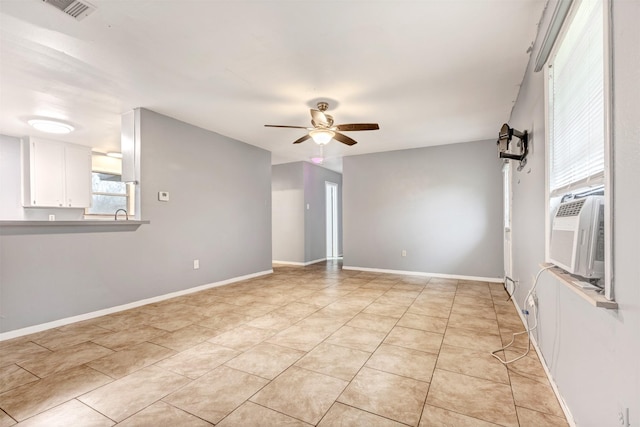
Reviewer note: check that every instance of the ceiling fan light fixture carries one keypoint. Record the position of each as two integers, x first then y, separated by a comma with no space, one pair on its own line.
50,126
322,136
323,130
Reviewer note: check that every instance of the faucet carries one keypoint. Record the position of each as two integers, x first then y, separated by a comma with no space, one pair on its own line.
115,217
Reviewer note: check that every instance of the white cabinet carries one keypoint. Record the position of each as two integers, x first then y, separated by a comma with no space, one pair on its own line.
46,174
56,174
77,163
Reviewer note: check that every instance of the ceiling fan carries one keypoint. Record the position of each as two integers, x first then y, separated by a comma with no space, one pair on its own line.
323,129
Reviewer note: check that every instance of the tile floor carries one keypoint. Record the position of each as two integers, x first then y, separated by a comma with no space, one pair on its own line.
305,346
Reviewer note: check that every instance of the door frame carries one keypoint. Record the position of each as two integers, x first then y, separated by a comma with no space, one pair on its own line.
331,219
507,196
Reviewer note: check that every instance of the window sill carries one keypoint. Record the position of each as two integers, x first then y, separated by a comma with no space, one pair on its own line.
591,296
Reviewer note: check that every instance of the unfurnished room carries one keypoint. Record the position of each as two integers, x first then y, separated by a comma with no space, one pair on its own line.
342,213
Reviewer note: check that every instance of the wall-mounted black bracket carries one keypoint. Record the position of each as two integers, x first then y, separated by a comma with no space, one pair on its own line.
504,138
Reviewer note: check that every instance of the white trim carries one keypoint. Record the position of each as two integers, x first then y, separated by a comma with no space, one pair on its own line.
543,362
315,261
421,273
609,292
61,322
302,264
331,212
547,169
507,196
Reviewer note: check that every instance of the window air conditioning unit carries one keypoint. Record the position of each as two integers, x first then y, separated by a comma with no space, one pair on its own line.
577,237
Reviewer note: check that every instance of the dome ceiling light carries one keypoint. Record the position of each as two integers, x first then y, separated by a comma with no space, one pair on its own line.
51,126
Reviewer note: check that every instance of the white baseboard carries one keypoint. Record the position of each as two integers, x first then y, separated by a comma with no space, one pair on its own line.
315,261
302,264
61,322
420,273
288,263
554,386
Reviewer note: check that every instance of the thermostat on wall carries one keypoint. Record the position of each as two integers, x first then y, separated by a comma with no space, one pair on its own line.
163,196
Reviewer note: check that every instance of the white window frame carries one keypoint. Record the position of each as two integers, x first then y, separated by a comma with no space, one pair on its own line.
608,138
129,196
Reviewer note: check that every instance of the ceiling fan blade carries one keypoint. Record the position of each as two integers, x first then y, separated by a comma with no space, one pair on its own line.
285,126
301,139
319,118
344,139
358,126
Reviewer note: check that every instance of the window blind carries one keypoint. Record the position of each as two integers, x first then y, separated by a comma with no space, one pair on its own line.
577,103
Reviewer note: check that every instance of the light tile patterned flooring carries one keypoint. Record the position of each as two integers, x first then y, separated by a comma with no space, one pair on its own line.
313,345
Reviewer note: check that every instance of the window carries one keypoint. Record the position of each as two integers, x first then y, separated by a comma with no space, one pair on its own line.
576,94
109,194
578,115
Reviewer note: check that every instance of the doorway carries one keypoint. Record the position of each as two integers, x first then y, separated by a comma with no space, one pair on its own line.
331,191
507,195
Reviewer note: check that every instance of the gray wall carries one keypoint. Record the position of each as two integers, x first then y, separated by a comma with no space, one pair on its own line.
287,195
443,205
299,234
592,353
219,213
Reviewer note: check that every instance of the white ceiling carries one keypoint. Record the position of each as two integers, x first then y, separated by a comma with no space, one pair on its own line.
429,72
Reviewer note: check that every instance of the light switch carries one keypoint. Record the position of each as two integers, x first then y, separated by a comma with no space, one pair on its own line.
163,196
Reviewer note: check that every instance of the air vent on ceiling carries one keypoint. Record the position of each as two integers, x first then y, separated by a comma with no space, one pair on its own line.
74,8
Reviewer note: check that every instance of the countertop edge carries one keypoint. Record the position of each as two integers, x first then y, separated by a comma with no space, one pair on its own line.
74,223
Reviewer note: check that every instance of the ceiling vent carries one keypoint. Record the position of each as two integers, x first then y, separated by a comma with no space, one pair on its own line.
74,8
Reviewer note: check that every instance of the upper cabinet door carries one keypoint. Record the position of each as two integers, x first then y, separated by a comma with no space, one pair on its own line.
77,160
56,174
47,173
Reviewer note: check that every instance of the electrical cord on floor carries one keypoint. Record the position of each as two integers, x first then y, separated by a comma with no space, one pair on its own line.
515,286
529,329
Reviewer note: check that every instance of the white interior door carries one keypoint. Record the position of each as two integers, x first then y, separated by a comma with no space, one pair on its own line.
332,219
507,194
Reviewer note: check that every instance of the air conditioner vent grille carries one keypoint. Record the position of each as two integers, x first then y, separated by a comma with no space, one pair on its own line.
74,8
571,208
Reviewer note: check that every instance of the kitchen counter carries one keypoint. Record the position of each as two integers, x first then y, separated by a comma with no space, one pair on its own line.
16,227
78,222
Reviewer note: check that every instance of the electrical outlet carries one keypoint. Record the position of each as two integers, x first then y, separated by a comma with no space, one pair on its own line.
196,264
531,301
404,252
